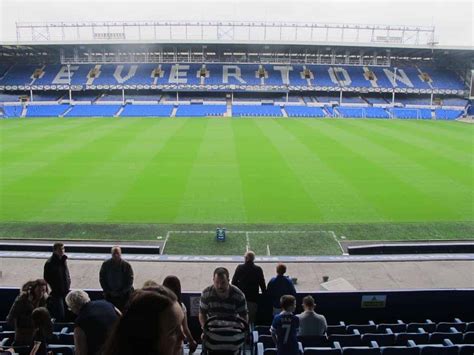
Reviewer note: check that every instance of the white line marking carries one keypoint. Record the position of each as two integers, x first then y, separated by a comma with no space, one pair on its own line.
164,244
268,250
337,241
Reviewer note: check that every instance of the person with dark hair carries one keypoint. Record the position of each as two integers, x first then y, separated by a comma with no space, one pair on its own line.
248,277
43,331
285,327
94,321
151,325
222,298
278,286
56,274
33,294
173,283
116,279
311,323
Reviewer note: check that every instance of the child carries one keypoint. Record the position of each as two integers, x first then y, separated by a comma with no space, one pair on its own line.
285,327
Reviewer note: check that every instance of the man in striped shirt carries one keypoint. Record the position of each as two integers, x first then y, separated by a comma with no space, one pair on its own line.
222,298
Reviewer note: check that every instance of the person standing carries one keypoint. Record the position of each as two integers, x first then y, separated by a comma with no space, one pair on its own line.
94,321
285,327
222,298
56,274
249,277
278,286
116,279
174,284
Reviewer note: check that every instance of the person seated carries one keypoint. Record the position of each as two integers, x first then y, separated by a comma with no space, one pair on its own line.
151,325
311,323
33,294
94,321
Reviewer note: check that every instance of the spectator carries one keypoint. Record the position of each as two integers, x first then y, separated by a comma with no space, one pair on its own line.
33,294
311,323
94,321
278,286
116,279
56,274
149,283
173,283
222,298
285,327
151,325
248,277
43,331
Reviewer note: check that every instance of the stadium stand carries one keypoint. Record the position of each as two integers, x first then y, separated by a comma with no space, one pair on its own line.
443,114
376,112
200,110
46,110
454,101
444,79
93,111
147,111
350,112
405,113
48,95
7,97
304,111
12,111
322,76
256,110
89,96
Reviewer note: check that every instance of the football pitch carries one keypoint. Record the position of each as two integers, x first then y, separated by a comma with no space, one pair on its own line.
139,178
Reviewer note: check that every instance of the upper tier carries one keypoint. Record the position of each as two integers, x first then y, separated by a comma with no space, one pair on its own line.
251,77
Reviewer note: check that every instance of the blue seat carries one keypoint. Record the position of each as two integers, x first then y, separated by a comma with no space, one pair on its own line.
438,350
418,338
321,351
394,327
399,350
360,351
438,338
381,339
446,326
466,349
362,328
346,339
468,338
314,341
427,327
336,329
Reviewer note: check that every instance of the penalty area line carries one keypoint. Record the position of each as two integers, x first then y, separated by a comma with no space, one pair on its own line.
337,241
164,243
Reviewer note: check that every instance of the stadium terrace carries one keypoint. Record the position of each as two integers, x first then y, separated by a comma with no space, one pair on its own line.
409,79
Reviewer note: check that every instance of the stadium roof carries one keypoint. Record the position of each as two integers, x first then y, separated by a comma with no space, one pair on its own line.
461,52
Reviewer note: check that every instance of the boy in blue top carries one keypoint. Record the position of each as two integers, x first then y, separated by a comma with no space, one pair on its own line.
285,327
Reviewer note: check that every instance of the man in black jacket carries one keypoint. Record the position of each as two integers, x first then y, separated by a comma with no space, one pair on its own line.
248,277
116,279
56,274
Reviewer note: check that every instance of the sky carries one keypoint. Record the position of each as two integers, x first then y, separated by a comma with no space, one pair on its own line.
452,19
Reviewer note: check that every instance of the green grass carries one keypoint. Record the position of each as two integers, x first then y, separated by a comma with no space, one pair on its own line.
137,178
311,243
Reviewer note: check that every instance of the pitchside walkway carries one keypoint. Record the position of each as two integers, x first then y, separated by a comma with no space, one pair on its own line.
195,276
